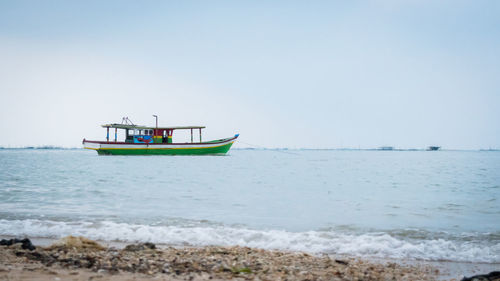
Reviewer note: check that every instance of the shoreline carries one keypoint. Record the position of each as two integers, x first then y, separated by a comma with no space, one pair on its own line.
332,264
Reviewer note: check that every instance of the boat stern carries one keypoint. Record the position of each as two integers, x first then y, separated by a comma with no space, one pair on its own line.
90,145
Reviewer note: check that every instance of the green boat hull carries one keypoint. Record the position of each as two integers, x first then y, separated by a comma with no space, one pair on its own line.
217,150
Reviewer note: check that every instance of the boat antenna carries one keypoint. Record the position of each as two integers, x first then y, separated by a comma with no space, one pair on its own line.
125,120
155,116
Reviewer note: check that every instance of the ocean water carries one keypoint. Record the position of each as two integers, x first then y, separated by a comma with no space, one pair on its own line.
418,205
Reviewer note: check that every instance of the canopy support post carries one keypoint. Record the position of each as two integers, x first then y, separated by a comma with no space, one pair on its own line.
116,134
191,135
200,134
169,135
107,134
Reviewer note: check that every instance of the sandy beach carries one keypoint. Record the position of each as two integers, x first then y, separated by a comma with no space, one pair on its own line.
76,258
15,265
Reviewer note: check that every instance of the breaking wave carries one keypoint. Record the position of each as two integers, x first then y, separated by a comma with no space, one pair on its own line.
374,244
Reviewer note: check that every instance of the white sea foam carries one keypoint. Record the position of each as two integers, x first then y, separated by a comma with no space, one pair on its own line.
380,245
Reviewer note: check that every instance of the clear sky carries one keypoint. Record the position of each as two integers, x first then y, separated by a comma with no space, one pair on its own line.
317,74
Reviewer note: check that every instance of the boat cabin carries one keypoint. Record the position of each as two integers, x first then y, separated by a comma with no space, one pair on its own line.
145,134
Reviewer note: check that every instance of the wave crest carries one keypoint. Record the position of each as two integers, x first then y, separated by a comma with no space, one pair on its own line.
379,245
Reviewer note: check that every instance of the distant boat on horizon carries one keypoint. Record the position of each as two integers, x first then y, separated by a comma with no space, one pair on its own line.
386,148
433,148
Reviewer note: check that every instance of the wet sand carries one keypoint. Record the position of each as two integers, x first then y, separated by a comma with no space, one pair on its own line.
83,259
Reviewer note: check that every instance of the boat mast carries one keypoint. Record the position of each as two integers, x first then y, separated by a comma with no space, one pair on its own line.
155,116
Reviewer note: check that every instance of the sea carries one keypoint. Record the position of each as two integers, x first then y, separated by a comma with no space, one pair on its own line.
412,205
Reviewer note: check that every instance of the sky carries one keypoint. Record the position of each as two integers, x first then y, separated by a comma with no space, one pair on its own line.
296,74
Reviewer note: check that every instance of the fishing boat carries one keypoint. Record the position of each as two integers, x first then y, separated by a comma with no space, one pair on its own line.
433,148
147,140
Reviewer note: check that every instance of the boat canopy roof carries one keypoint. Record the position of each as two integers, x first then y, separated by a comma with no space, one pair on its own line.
140,127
